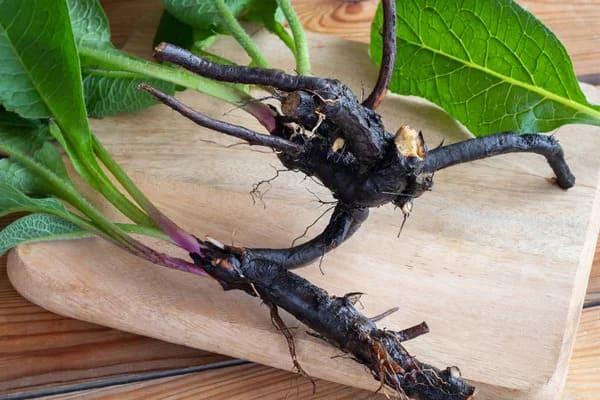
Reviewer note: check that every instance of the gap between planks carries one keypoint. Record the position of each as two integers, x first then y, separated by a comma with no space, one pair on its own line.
254,381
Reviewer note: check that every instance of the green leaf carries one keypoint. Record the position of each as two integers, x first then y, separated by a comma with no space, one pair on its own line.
31,138
40,72
13,201
112,92
35,228
9,120
265,12
89,23
107,92
204,14
171,30
19,177
197,40
41,227
22,134
195,23
99,56
490,64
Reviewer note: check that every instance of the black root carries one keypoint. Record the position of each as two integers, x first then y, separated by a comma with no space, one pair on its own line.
323,131
337,321
475,149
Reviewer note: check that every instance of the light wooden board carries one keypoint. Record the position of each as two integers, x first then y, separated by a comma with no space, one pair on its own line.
236,383
352,20
42,351
241,383
498,269
39,349
584,369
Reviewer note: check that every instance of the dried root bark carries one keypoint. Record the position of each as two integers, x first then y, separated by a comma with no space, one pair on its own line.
323,131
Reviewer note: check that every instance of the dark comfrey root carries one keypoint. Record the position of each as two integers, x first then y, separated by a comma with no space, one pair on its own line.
323,131
335,319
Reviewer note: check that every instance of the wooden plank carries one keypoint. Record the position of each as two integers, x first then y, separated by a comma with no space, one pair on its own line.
39,349
352,20
592,297
488,270
252,381
121,10
235,383
584,369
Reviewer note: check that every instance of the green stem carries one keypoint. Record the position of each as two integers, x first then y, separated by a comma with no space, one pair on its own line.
211,56
179,236
302,55
88,227
122,203
117,60
85,225
285,37
144,230
90,170
238,32
121,176
67,192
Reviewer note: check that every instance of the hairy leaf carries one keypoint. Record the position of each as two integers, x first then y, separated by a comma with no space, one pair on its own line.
21,178
13,200
40,72
107,92
205,21
89,23
490,64
38,228
25,135
197,40
171,30
31,138
204,14
113,92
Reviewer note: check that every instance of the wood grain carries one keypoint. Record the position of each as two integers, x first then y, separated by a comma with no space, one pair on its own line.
39,349
520,281
583,382
592,297
235,383
252,381
574,22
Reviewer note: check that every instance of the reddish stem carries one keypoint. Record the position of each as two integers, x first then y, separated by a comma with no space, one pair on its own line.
388,57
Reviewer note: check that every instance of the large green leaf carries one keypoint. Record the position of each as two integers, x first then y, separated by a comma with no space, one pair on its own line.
40,227
35,228
171,30
40,72
489,63
205,22
113,92
107,92
13,201
31,138
22,134
89,23
204,14
21,178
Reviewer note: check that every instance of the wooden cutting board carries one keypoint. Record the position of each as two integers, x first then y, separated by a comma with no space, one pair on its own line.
495,259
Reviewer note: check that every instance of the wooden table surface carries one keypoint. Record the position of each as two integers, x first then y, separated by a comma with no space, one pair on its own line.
44,354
